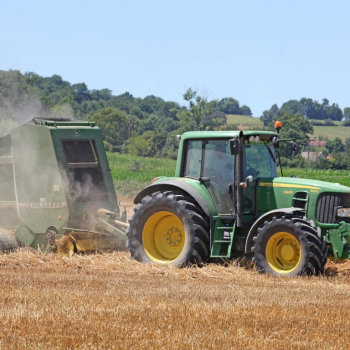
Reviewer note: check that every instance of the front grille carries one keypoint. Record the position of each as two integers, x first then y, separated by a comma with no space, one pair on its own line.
327,204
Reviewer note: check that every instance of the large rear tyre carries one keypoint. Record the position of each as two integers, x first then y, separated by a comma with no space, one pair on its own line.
289,246
169,228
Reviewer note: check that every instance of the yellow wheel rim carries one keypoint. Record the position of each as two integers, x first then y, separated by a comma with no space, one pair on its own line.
163,237
283,252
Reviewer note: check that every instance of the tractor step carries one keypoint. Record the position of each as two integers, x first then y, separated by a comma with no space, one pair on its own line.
222,246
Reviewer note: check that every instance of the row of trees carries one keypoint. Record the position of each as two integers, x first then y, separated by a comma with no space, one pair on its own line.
142,126
229,105
308,108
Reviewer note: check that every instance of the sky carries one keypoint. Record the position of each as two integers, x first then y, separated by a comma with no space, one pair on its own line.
258,52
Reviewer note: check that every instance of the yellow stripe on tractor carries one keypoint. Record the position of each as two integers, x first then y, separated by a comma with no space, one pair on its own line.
270,184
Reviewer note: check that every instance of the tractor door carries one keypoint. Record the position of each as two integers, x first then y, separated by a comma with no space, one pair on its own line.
212,159
259,162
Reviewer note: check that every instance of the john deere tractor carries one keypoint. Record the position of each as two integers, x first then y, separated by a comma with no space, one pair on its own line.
226,199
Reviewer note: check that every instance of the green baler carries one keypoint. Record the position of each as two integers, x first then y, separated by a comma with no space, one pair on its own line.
56,189
226,200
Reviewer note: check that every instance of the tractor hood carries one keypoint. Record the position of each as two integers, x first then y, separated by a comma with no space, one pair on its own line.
303,184
309,195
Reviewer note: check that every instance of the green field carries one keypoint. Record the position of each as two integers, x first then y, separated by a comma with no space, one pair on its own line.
332,132
131,174
244,122
336,122
250,122
336,176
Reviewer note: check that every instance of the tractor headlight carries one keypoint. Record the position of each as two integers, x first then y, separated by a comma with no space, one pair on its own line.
254,139
343,213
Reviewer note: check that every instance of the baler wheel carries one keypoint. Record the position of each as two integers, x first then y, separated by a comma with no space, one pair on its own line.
169,228
289,246
8,243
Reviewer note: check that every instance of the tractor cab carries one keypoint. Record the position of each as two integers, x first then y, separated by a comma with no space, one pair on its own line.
212,162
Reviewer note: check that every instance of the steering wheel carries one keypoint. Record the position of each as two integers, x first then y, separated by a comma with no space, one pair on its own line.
251,171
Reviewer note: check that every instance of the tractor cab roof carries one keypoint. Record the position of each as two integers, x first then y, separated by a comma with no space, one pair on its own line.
224,134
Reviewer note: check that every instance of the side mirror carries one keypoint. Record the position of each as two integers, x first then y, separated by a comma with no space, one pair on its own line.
248,180
235,146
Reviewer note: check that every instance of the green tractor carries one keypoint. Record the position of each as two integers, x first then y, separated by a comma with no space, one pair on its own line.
226,200
56,189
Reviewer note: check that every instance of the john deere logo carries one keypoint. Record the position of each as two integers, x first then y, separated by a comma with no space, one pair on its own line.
287,192
314,191
55,205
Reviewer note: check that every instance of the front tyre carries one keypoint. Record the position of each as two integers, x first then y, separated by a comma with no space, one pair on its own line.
169,228
289,246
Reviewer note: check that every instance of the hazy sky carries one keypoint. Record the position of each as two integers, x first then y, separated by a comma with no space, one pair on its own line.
259,52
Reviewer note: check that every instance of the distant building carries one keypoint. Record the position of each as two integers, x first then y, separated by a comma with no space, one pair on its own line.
317,143
315,156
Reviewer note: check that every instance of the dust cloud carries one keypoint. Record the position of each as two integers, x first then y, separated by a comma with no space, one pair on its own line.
18,107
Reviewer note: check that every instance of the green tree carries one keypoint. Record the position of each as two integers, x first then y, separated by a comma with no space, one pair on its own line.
171,146
293,127
245,110
104,94
335,146
114,125
292,106
81,92
228,105
214,120
333,112
169,124
347,144
194,118
269,115
142,145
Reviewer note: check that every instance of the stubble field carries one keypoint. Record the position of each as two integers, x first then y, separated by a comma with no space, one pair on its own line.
107,301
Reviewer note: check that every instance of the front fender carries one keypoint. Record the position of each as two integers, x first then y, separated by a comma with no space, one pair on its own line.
249,242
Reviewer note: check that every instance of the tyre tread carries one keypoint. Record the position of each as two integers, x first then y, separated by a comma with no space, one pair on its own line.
316,255
185,206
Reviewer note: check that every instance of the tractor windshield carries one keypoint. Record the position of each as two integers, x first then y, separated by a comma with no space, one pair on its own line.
259,160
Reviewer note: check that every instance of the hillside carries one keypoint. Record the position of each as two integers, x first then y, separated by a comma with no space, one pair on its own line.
332,132
242,120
